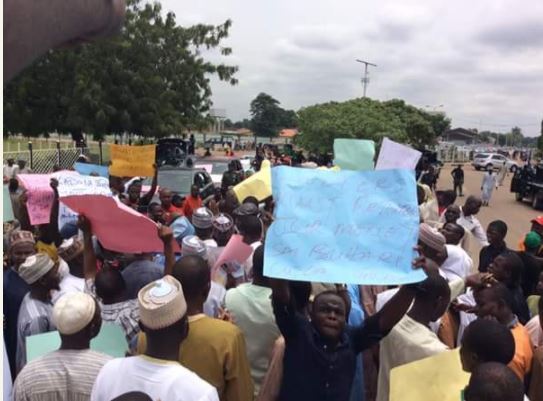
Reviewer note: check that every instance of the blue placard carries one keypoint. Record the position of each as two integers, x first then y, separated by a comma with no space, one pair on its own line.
356,227
92,169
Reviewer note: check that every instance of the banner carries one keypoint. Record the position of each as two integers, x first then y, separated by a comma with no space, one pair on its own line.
40,197
110,341
78,185
396,155
92,169
439,377
132,161
356,227
258,185
7,206
354,154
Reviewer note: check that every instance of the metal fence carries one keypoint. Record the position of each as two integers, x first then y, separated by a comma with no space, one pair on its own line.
455,155
44,161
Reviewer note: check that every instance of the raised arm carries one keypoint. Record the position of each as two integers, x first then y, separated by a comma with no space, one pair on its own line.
89,257
51,231
280,292
149,195
165,233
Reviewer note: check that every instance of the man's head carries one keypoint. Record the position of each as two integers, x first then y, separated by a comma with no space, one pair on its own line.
156,213
496,232
163,312
452,213
40,272
165,196
21,246
10,162
134,190
250,227
251,199
494,381
22,164
472,205
223,228
194,191
77,317
71,251
433,297
177,201
453,233
532,242
192,245
110,285
432,243
329,315
537,225
486,340
494,302
507,268
202,220
194,274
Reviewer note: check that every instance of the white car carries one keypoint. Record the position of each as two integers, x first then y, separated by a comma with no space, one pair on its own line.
494,161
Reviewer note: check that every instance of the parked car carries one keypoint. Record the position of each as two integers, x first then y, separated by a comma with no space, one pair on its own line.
180,179
494,161
527,183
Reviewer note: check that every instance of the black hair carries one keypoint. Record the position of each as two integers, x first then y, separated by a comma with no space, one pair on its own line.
250,225
432,288
449,197
192,271
251,199
516,263
499,226
258,262
501,294
134,183
109,284
490,340
494,381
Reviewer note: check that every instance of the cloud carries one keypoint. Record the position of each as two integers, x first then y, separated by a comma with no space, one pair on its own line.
516,36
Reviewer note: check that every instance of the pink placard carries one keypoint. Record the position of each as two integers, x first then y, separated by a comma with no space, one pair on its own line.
117,226
235,251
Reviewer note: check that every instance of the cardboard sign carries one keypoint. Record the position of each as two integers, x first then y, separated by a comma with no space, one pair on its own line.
110,341
396,155
92,169
132,161
356,227
258,185
354,154
40,197
235,251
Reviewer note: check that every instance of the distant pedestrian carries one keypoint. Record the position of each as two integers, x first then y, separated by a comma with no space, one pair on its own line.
458,180
502,173
488,185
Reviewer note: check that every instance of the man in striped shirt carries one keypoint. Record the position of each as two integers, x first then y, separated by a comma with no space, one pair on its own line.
67,374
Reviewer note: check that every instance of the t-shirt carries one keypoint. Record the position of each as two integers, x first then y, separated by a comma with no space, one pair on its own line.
157,379
11,172
252,312
522,360
62,375
190,205
215,351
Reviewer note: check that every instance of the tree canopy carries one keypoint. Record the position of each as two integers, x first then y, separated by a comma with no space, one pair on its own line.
268,117
151,80
365,118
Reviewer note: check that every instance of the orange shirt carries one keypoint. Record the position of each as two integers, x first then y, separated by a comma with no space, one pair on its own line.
522,360
191,204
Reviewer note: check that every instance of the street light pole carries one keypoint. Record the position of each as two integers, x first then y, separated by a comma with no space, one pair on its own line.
365,79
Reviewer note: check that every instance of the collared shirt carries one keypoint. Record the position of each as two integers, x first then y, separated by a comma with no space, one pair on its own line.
457,265
488,254
312,370
15,289
473,225
62,375
34,318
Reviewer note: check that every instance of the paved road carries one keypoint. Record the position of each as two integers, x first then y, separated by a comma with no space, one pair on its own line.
503,206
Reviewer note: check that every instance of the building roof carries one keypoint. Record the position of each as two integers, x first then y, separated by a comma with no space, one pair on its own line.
462,132
288,133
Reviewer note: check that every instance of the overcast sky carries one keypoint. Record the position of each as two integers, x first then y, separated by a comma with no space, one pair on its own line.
481,59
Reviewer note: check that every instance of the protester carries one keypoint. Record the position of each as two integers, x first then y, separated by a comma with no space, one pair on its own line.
496,302
231,273
458,263
537,227
496,233
251,310
535,391
451,215
533,266
229,203
250,227
502,173
21,246
170,211
488,185
156,374
22,167
230,178
213,349
134,188
493,381
68,373
458,179
71,251
10,170
471,223
192,202
202,220
110,288
156,213
41,274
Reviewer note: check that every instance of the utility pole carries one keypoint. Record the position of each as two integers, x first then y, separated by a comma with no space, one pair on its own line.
365,79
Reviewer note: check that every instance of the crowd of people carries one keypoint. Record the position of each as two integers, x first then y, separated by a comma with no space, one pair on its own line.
198,331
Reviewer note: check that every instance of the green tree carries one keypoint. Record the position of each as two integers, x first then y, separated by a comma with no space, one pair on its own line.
266,115
152,80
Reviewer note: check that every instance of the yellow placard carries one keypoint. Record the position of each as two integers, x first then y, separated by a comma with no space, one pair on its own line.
257,185
439,377
132,161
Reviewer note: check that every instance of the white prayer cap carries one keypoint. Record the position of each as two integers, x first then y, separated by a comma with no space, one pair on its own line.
162,303
35,267
73,312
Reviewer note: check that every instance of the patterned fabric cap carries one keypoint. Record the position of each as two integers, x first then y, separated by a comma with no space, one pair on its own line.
35,267
70,249
162,303
431,237
202,218
223,223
